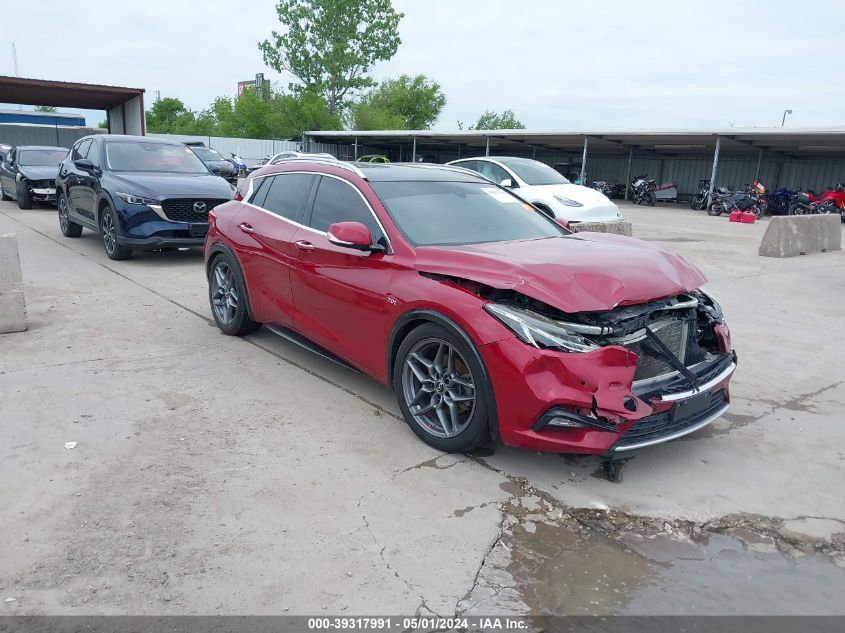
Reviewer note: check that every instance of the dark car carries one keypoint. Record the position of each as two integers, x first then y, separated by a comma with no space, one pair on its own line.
489,320
137,192
28,174
216,164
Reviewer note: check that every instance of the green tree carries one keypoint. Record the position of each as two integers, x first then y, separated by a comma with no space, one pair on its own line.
331,45
409,103
103,125
45,109
491,121
170,116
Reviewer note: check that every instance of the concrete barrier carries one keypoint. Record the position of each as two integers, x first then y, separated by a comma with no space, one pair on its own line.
618,228
791,235
12,303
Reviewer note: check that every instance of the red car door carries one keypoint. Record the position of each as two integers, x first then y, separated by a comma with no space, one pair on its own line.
264,231
341,294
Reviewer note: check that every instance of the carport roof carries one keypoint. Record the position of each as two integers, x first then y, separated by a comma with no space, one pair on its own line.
64,94
789,141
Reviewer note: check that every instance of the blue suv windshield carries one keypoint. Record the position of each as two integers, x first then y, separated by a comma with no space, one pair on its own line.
157,157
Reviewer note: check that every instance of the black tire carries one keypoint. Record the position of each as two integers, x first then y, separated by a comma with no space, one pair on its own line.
69,227
108,234
3,195
826,207
232,320
716,209
695,203
475,429
650,198
796,209
22,194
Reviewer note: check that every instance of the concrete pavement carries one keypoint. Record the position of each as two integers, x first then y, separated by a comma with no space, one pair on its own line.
220,475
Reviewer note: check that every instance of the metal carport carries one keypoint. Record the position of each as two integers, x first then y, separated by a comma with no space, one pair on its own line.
814,157
124,106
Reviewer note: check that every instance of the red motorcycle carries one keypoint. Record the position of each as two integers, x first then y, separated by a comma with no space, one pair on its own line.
829,201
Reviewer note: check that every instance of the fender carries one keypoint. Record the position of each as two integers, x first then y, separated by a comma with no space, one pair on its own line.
402,327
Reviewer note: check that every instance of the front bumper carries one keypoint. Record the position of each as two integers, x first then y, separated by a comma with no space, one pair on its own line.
529,382
142,227
39,194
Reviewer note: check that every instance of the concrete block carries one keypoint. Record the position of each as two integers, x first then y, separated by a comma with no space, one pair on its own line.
622,227
12,302
791,235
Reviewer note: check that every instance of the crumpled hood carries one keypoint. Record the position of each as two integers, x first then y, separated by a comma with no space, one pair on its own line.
39,172
159,185
583,272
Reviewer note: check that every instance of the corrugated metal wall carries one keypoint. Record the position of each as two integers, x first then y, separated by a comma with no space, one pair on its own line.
53,135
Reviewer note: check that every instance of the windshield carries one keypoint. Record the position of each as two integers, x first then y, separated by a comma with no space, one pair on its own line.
451,213
41,157
160,157
206,153
534,172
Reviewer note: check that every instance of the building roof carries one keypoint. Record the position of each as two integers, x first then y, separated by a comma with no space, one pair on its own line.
824,141
64,93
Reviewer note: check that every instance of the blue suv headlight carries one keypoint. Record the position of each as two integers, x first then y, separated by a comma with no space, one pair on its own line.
130,199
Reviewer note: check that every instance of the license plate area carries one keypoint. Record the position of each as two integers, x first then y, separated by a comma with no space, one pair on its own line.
691,407
198,230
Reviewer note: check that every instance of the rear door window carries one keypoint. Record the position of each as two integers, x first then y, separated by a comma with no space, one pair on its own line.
339,201
286,195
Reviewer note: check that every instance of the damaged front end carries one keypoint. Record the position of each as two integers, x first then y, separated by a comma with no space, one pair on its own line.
618,379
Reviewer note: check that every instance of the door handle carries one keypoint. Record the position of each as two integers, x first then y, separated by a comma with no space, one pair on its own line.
304,246
246,228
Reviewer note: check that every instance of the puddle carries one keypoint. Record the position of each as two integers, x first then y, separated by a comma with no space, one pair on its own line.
562,567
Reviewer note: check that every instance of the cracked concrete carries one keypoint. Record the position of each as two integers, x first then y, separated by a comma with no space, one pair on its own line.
218,475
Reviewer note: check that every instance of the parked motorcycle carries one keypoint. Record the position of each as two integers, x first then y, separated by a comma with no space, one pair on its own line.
779,201
239,164
601,186
701,200
832,200
617,190
642,191
747,200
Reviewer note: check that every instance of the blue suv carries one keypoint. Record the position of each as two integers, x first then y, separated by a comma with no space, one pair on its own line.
137,192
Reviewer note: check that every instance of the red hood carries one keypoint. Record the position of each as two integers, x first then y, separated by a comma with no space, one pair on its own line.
580,273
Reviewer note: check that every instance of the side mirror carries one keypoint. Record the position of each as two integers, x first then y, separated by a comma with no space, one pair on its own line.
352,235
507,182
84,164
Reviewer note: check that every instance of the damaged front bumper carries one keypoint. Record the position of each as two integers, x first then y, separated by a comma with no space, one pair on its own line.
588,402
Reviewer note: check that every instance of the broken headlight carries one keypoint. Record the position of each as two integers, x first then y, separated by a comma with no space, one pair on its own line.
539,331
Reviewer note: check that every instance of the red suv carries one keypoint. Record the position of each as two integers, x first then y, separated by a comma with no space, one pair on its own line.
490,321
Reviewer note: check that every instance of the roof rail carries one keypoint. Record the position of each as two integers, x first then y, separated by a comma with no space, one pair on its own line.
455,168
324,161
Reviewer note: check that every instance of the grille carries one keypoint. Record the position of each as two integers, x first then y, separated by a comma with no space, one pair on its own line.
660,425
182,209
673,333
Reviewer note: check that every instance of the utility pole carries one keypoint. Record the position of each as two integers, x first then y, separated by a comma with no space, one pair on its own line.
783,120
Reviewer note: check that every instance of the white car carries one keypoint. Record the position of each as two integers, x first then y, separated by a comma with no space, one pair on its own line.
542,186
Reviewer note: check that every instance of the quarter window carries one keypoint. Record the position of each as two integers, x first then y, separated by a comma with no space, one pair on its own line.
80,149
286,194
492,171
337,201
94,154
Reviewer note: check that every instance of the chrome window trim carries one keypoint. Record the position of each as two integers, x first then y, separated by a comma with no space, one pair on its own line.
249,193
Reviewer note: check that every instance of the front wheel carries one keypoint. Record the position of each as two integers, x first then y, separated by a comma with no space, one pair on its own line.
650,198
22,194
68,226
442,389
108,233
827,207
796,209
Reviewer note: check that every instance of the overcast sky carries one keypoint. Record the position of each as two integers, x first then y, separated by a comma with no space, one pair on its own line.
590,65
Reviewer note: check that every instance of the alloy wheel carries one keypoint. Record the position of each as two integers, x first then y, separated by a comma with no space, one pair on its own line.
224,293
109,232
438,388
63,219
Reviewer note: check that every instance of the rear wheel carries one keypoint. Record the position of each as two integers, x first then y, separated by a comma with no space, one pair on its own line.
716,209
108,233
796,209
442,389
228,298
69,227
